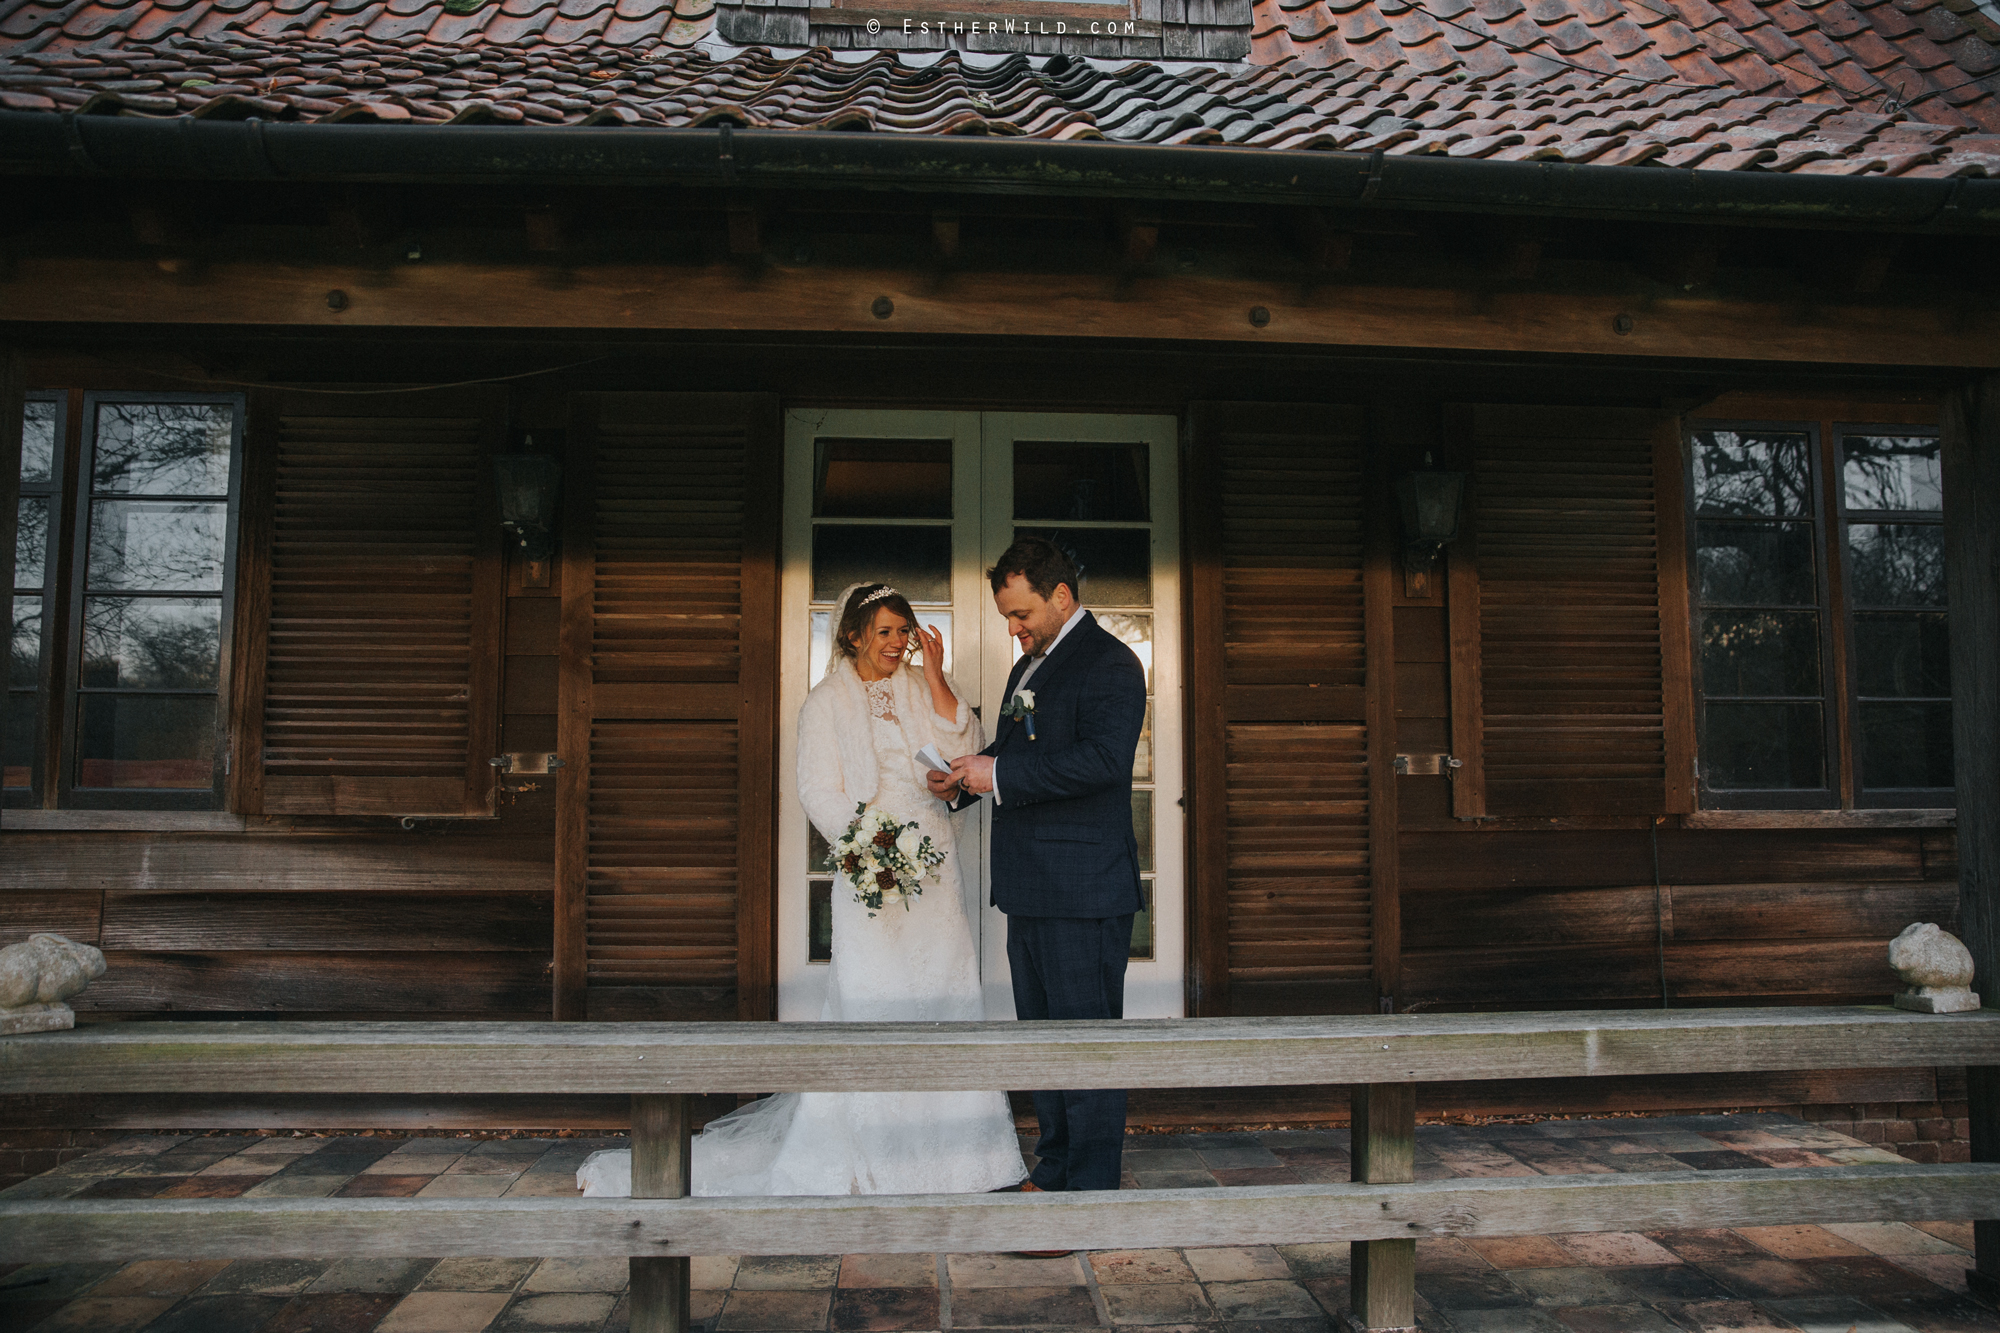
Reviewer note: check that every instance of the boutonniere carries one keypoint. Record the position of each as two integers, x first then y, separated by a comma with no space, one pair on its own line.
1022,709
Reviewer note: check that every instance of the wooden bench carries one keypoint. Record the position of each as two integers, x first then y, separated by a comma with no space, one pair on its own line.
1382,1059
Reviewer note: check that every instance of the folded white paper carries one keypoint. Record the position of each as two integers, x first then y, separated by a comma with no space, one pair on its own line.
930,758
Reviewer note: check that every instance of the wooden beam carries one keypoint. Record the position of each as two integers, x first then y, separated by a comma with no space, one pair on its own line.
1378,583
577,554
1384,1271
1468,688
112,1230
661,1169
442,294
1971,461
437,1058
1677,705
1207,728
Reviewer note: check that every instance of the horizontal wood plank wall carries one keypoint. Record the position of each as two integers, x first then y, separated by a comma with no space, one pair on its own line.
1279,737
664,829
1569,614
380,687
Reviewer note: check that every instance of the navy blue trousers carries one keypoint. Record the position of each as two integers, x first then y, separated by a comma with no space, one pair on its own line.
1073,968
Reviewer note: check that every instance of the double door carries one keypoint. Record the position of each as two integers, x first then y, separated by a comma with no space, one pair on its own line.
928,501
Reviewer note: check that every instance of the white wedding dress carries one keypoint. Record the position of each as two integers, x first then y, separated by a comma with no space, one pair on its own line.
903,966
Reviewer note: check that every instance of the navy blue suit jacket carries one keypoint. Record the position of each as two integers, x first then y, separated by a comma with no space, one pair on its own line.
1062,835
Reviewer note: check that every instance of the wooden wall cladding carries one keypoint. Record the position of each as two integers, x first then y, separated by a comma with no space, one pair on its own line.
1571,707
380,659
668,693
1278,710
1573,918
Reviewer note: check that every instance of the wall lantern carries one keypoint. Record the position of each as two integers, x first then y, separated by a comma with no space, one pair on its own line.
529,484
1430,503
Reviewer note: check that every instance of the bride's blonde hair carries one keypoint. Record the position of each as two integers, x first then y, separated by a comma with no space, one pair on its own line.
857,613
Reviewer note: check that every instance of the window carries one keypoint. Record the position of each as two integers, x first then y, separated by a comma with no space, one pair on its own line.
122,600
1821,656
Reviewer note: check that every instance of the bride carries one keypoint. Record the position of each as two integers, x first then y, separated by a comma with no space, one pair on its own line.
859,732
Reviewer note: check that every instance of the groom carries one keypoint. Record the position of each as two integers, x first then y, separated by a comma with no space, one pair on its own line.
1065,864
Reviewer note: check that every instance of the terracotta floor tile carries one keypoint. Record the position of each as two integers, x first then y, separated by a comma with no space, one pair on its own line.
466,1187
245,1164
703,1306
1118,1267
240,1313
383,1187
537,1185
1727,1317
1616,1248
1331,1259
557,1312
1505,1321
100,1314
1946,1271
880,1309
159,1277
333,1312
1755,1278
1012,1307
1747,1139
294,1187
888,1270
1868,1276
1615,1319
266,1277
212,1187
712,1271
1007,1270
478,1275
775,1310
1157,1303
1942,1313
374,1276
1236,1301
1799,1242
1722,1159
1893,1238
444,1312
1257,1175
1453,1292
1246,1264
787,1272
1654,1283
1790,1157
1484,1161
1955,1233
578,1275
1561,1287
1699,1245
129,1187
1835,1314
1521,1252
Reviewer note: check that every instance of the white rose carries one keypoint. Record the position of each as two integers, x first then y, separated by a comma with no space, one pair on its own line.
1027,698
909,842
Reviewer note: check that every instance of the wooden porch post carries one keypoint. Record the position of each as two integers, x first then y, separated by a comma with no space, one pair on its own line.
1971,457
1384,1272
661,1128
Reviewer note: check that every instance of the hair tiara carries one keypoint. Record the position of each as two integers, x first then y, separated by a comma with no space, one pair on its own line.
884,591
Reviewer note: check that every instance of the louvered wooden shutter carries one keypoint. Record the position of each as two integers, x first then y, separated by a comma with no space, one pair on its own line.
667,810
1279,753
373,609
1571,559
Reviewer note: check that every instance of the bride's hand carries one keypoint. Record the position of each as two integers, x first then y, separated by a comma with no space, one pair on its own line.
932,642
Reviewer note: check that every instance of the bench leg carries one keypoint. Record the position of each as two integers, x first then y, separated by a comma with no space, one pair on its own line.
660,1133
1384,1272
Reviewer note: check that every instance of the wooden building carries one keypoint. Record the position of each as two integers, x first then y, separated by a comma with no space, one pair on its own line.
1680,292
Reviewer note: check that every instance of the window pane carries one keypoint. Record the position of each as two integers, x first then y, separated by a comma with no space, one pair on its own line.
1116,564
882,478
1892,472
1142,925
1896,564
1902,655
1142,758
1752,472
1136,633
157,544
1905,745
1142,828
1760,652
38,441
1759,564
819,921
1768,746
137,740
162,448
31,542
151,643
1081,483
25,644
916,560
17,744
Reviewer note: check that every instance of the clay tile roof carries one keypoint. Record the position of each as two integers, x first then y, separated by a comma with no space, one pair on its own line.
1847,87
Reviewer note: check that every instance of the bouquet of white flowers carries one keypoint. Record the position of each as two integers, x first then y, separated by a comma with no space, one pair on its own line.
885,859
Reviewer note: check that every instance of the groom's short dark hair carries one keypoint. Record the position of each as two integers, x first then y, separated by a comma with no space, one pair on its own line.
1042,563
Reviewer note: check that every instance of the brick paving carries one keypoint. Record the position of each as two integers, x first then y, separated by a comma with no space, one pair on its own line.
1872,1277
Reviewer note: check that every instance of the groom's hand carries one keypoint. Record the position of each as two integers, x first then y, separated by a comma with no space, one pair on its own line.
943,785
974,772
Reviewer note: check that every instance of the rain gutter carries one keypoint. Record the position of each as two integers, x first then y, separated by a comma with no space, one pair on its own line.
42,144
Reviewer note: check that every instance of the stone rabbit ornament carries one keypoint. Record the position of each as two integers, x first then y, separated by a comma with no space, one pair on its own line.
37,975
1936,968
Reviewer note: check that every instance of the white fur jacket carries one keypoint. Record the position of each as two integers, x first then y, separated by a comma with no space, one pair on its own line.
837,768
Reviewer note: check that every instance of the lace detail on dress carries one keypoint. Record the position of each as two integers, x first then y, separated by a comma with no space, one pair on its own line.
881,699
